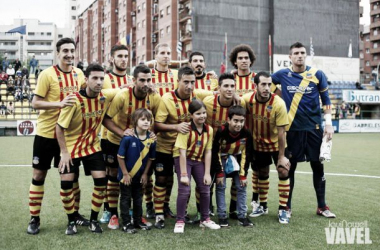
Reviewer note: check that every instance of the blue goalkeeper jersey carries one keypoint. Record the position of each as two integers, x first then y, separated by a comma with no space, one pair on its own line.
301,92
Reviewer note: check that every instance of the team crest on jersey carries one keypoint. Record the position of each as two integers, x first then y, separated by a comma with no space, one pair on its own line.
208,82
59,78
102,99
199,143
82,105
130,103
214,110
269,108
170,74
194,98
133,144
224,142
75,76
177,106
289,74
148,144
309,76
252,79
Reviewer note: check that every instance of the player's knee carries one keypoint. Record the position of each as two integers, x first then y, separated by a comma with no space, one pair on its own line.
100,181
39,175
67,177
282,172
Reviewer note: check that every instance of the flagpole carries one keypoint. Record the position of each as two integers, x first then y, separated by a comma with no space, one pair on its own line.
225,34
131,54
270,54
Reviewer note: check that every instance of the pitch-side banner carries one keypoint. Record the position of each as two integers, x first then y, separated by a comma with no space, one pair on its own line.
335,68
362,96
359,126
26,127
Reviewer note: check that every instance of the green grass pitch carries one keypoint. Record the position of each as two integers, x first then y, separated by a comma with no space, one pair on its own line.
354,199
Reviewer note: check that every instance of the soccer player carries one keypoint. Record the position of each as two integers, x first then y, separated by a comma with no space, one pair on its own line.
192,157
77,134
267,117
172,118
232,140
117,78
164,80
302,86
123,105
135,157
204,80
53,91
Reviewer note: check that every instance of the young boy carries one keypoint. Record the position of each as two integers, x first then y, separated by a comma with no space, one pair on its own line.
232,140
135,158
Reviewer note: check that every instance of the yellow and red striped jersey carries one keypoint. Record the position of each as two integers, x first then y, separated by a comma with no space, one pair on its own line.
206,82
82,122
217,115
244,84
165,81
123,106
54,85
194,142
114,81
174,110
263,120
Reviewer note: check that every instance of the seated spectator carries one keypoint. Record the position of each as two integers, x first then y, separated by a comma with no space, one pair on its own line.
10,86
344,107
10,71
25,72
17,81
19,73
18,95
3,109
358,85
3,78
356,112
25,84
10,108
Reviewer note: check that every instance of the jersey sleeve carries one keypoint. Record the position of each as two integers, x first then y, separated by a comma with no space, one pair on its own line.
214,84
323,88
123,147
276,78
181,141
162,111
202,94
281,113
43,84
107,82
66,115
117,104
156,100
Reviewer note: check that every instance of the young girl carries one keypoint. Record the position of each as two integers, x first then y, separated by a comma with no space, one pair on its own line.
135,158
192,157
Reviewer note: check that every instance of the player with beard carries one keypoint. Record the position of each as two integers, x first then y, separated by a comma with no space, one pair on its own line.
204,80
117,78
121,109
54,91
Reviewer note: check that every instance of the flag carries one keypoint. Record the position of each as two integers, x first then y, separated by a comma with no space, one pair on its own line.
128,39
179,47
223,65
270,53
21,30
311,48
350,49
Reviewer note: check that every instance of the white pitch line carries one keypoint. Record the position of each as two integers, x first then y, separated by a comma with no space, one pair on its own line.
274,171
338,174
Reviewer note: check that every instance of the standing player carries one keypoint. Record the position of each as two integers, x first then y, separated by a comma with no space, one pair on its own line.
53,92
77,134
268,118
204,80
120,110
172,118
117,78
302,86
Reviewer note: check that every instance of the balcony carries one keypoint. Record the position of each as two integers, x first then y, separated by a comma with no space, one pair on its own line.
40,38
374,63
374,1
31,48
185,14
8,37
9,47
375,25
44,57
375,51
186,36
374,37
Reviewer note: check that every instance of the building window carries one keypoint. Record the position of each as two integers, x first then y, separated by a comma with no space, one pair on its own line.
375,45
367,38
168,10
143,6
143,41
142,57
138,9
29,43
48,34
161,13
73,7
31,34
138,42
138,25
367,51
366,76
143,23
375,32
367,63
168,29
161,33
375,58
73,17
60,36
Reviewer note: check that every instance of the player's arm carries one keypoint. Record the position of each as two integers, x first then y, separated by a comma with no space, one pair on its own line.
216,160
183,167
39,102
152,157
111,126
66,160
324,93
207,176
282,160
127,179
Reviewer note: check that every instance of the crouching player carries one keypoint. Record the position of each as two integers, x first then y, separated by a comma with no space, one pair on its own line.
77,129
192,157
267,117
232,140
135,158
